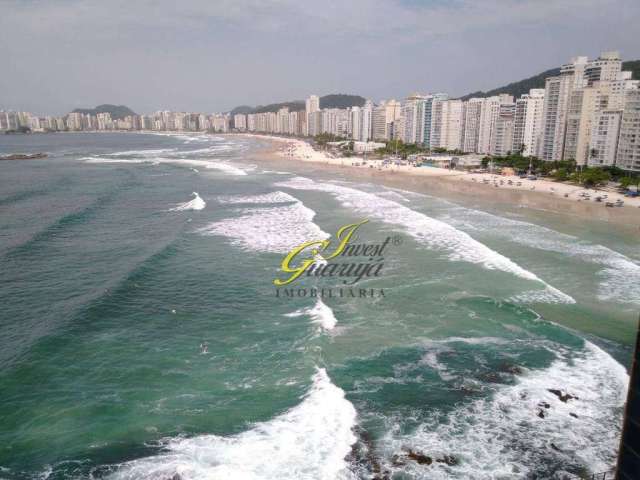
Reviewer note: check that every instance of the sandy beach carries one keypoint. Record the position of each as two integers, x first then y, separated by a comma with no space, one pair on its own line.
545,195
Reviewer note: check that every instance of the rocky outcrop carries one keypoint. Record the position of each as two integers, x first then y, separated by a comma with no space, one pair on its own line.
422,459
564,397
22,156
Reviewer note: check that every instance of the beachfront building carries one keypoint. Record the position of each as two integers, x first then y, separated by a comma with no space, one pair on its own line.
312,106
447,120
591,108
379,122
489,114
557,94
314,123
385,116
336,121
240,121
502,137
471,130
628,153
603,144
454,124
356,122
413,115
428,116
527,124
605,68
366,119
282,121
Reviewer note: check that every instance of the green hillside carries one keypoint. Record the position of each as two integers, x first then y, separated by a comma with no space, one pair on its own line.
537,81
335,100
116,111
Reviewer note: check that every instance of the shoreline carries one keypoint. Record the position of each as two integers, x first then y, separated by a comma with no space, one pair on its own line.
455,184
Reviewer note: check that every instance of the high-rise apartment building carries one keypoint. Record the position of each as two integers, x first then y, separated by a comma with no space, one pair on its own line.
413,115
312,106
490,111
603,145
384,117
502,137
628,153
428,116
557,95
473,109
527,126
240,121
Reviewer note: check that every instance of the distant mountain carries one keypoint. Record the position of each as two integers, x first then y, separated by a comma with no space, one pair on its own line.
274,107
336,100
241,109
537,81
116,111
341,100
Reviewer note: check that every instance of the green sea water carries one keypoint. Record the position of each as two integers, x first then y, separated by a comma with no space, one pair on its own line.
141,336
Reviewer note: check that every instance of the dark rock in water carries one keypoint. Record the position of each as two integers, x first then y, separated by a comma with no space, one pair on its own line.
544,404
384,476
491,377
574,415
564,397
555,447
362,453
541,413
22,156
510,368
448,459
397,460
467,390
176,477
421,458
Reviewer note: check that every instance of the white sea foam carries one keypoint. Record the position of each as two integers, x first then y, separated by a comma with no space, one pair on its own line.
428,231
308,442
503,436
621,274
117,160
197,203
208,164
271,197
216,148
320,314
141,153
274,229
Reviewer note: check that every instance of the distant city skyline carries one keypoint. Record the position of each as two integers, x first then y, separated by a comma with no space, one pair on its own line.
589,112
201,56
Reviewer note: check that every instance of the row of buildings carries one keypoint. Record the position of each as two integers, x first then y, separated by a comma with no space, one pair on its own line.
589,112
76,122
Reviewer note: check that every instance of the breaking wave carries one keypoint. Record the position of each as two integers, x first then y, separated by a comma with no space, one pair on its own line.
320,313
429,231
209,164
621,274
506,436
196,204
269,229
308,442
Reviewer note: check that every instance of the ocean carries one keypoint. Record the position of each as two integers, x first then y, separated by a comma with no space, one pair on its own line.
142,335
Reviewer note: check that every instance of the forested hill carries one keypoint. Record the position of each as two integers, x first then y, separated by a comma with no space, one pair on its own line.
537,81
336,100
116,111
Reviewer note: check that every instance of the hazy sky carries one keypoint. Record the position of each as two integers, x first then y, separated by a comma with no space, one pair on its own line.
207,55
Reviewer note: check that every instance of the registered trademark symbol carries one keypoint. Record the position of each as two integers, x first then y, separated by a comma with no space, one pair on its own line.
396,240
